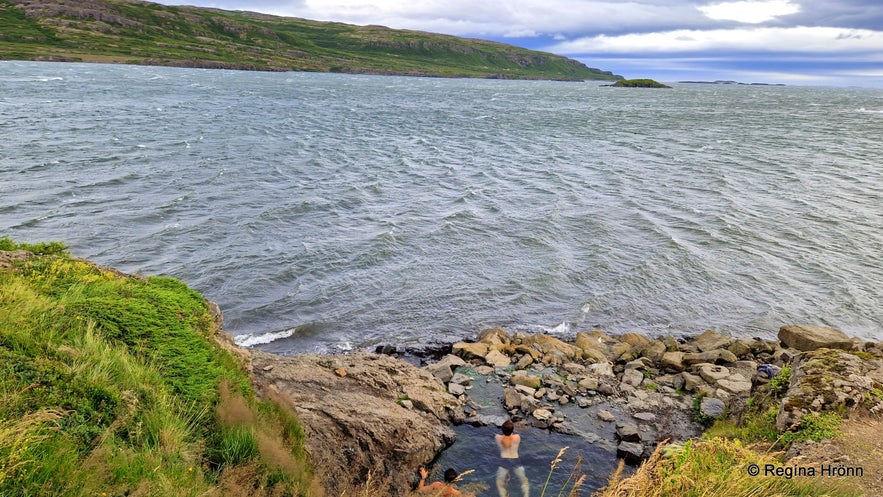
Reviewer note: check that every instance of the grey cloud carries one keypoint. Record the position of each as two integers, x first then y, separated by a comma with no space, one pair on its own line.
864,14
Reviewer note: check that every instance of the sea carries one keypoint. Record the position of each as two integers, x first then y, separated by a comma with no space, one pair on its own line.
331,212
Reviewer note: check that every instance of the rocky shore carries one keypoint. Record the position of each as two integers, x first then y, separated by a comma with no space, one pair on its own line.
375,414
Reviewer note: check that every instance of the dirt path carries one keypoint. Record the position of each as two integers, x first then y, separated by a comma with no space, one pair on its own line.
862,441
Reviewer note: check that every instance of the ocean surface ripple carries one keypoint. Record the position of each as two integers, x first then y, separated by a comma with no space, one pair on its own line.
329,212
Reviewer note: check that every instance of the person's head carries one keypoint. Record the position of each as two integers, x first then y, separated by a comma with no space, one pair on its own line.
508,427
450,475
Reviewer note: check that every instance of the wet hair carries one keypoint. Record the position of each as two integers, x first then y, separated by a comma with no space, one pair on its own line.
508,427
450,475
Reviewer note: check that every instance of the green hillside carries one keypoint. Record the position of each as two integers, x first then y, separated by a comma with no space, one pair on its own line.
135,32
116,385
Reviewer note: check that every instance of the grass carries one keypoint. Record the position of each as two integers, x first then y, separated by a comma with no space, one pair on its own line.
719,464
112,384
143,33
715,467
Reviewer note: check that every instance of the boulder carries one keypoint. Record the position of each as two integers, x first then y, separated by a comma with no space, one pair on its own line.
542,414
805,338
469,350
712,373
631,452
692,383
635,339
735,386
632,377
355,424
547,345
497,359
512,399
628,432
829,380
519,378
654,350
716,356
672,361
444,368
710,406
606,416
593,345
461,379
711,340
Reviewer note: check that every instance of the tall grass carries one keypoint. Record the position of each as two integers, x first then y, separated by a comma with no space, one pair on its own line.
716,467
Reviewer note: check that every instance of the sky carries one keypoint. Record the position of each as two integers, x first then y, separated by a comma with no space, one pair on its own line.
794,42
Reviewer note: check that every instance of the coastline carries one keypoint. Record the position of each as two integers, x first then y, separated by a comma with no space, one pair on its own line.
630,395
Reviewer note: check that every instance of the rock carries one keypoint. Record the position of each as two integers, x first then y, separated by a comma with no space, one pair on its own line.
645,416
497,359
632,377
588,383
712,373
554,358
628,432
484,370
692,383
605,415
407,404
574,368
829,380
710,406
511,399
542,414
525,361
735,387
711,340
654,350
635,339
740,348
456,389
583,402
548,345
496,339
672,361
716,356
523,390
468,350
602,369
593,345
461,379
529,381
671,345
805,338
360,427
444,368
631,452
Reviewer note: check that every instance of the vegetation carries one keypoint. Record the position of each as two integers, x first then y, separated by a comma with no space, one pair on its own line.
112,385
639,83
739,456
127,31
718,466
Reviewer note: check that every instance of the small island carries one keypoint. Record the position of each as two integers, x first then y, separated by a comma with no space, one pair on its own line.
639,83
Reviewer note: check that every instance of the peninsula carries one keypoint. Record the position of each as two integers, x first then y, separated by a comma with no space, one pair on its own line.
136,32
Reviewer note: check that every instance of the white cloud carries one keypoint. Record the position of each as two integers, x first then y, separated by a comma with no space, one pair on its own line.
799,39
750,12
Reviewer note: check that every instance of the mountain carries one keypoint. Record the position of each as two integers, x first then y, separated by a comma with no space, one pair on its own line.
136,32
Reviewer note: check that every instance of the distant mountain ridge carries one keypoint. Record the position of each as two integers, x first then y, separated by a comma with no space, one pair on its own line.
137,32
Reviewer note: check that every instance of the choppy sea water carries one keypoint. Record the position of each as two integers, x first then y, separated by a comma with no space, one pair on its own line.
327,212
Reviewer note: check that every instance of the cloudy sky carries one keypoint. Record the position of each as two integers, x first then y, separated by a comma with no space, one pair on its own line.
800,42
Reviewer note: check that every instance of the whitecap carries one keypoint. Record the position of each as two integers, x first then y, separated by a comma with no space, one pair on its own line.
250,340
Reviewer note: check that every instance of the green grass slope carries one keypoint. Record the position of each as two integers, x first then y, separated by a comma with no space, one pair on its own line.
135,32
113,385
